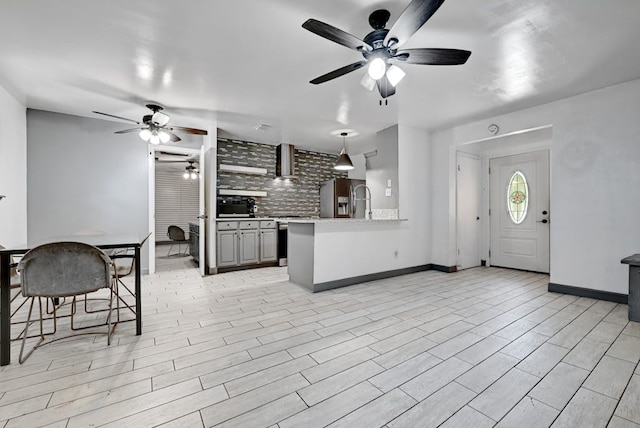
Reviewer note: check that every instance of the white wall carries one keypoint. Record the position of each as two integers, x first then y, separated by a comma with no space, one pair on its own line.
13,170
82,176
382,167
414,188
595,153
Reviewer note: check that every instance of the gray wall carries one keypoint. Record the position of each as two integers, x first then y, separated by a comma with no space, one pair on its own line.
81,176
382,167
299,197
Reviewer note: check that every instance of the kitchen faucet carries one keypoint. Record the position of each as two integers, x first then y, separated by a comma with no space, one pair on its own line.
355,199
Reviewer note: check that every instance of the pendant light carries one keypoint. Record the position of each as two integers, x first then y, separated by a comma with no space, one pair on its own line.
343,163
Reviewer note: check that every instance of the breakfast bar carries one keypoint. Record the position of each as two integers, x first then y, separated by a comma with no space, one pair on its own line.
330,253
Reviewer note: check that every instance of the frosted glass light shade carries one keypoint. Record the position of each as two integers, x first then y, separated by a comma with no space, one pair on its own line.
154,139
164,137
395,74
145,134
377,68
368,82
185,175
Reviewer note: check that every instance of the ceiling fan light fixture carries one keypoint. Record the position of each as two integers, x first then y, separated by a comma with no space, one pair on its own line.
154,139
395,74
185,175
145,134
194,176
377,68
368,83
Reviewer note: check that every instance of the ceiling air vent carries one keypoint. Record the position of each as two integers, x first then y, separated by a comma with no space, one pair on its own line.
263,127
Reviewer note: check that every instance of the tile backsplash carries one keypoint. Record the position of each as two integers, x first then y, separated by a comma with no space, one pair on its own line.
295,197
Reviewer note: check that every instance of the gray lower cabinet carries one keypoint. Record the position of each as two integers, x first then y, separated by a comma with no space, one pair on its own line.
249,246
227,248
268,245
246,242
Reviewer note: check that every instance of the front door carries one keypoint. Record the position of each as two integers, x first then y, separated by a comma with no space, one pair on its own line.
519,200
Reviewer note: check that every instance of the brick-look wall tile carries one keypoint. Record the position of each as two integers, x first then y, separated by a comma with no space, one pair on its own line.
297,197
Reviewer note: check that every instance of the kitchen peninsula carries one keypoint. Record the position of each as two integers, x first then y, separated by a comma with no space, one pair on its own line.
332,253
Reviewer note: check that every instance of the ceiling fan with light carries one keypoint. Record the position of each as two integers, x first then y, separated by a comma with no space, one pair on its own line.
381,47
154,127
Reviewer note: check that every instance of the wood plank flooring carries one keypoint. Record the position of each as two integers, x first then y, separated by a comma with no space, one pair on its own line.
482,347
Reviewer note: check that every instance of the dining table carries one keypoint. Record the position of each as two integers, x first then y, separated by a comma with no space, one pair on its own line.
102,241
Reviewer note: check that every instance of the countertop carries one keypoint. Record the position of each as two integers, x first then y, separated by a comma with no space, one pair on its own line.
345,220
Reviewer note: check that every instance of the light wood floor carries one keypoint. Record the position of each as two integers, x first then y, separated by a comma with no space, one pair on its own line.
477,348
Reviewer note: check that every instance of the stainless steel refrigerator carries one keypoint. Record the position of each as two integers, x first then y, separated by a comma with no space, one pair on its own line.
337,198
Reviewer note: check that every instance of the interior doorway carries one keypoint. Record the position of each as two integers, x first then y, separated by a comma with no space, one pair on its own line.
520,211
176,192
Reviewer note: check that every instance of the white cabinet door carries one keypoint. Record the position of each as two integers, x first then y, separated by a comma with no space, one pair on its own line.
227,248
268,245
249,246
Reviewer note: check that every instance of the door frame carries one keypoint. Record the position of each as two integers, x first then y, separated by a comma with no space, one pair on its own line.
493,150
478,188
152,198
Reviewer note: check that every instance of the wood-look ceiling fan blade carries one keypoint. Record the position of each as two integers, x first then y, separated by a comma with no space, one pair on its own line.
385,88
433,56
126,131
339,72
188,130
336,35
173,137
117,117
412,18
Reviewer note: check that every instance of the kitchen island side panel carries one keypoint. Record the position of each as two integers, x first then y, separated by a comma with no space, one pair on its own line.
300,254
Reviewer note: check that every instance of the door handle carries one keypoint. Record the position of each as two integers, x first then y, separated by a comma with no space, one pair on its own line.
544,220
203,216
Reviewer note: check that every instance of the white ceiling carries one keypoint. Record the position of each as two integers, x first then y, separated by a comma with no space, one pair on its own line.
245,62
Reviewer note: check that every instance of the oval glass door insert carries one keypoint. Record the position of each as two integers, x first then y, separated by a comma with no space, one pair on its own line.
517,197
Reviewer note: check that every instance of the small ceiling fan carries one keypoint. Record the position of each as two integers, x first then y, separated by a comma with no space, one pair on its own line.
155,129
381,47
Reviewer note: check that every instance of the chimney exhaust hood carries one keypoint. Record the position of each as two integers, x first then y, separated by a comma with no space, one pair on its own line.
285,166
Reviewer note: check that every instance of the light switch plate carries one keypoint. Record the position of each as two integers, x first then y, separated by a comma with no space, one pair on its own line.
388,183
387,191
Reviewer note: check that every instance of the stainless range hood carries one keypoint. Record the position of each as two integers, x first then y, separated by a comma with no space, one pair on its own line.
286,165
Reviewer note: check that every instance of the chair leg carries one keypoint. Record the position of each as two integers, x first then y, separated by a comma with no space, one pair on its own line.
22,359
170,248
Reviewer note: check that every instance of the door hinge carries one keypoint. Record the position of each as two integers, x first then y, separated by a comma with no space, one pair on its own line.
458,167
489,253
489,170
489,211
458,251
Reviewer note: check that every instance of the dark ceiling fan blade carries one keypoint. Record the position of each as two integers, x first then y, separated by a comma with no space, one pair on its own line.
126,131
173,137
335,34
339,72
117,117
385,88
433,56
188,130
412,18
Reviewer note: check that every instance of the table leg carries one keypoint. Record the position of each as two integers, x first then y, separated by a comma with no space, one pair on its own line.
138,293
5,310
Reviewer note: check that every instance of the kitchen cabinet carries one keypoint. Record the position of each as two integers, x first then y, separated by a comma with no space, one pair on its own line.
227,241
246,243
268,241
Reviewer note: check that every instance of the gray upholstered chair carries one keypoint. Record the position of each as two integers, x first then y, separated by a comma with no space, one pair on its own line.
64,269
